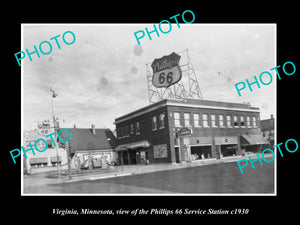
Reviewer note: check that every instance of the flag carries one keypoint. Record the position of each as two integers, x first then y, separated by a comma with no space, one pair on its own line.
53,93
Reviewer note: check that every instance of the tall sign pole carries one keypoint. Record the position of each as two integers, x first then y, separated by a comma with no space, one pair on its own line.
53,95
67,147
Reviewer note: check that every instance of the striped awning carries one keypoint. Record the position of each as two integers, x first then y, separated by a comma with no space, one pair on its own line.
133,145
252,139
38,160
54,159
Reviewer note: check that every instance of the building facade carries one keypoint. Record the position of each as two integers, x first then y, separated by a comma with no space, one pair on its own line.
39,162
218,129
99,143
267,130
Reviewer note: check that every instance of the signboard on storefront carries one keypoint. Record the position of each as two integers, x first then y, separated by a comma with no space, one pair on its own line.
166,71
160,151
185,131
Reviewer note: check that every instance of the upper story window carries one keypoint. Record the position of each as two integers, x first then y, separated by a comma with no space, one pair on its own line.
131,128
254,121
127,130
242,121
221,120
228,119
187,122
154,123
205,120
177,121
162,120
137,128
197,120
235,121
213,120
248,121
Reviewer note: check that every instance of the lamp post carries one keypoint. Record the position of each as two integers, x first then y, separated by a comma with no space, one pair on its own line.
53,95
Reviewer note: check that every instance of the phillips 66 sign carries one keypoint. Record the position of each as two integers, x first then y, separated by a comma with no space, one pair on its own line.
166,70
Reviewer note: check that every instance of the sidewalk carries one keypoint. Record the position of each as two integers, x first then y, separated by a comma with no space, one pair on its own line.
126,170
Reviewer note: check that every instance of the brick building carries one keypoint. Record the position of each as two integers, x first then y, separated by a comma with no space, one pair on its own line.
267,129
219,129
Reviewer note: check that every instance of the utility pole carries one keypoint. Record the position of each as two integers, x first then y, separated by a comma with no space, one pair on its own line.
69,159
53,95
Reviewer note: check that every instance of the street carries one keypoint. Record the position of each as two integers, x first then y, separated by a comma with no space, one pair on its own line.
212,179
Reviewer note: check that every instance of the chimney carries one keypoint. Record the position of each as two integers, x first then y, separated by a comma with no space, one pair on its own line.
74,125
93,129
272,116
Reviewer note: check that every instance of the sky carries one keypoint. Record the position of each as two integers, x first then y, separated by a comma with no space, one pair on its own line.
102,75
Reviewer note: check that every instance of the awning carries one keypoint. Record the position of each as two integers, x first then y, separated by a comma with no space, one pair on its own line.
252,139
54,159
134,145
38,160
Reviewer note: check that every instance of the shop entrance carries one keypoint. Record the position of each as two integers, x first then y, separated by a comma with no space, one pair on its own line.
229,150
201,152
177,155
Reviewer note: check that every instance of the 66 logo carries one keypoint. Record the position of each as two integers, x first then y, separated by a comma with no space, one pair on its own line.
166,70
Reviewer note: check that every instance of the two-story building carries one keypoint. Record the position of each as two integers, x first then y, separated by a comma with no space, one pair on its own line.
219,129
267,129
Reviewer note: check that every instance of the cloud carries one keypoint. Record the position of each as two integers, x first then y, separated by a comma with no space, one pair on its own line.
103,74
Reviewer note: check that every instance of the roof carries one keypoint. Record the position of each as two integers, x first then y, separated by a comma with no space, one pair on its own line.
198,103
83,139
267,124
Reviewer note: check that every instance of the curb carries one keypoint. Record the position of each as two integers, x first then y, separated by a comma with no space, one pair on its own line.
110,176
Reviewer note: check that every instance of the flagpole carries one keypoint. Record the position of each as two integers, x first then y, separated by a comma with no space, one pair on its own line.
56,147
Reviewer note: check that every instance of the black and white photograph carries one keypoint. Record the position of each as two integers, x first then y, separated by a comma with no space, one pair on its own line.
181,119
128,112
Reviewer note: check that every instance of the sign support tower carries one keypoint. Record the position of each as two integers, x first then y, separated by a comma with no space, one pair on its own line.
187,87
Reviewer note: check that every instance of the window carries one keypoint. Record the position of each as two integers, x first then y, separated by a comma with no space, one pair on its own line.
254,121
187,119
162,121
127,130
248,121
242,121
221,120
137,128
154,123
196,120
213,120
49,143
131,128
228,118
235,121
177,122
205,120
